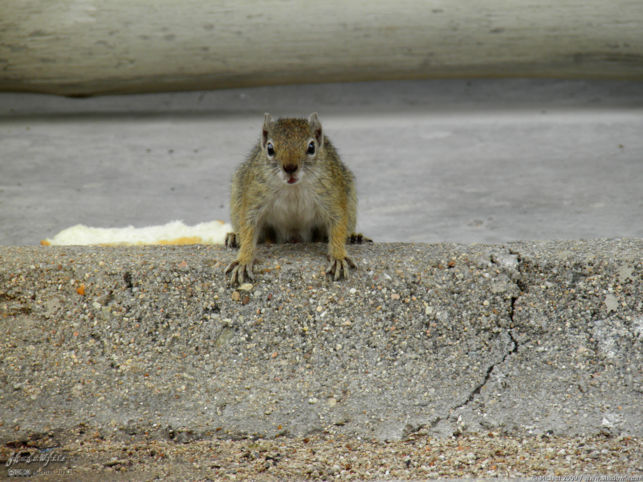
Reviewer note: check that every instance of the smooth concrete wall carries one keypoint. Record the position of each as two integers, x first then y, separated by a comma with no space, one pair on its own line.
89,47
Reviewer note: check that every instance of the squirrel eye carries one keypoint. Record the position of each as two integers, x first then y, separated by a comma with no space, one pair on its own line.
270,149
311,148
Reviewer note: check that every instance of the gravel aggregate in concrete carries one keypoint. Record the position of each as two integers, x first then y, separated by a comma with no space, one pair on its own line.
114,347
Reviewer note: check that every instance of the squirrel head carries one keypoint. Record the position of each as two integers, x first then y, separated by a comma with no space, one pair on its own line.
292,145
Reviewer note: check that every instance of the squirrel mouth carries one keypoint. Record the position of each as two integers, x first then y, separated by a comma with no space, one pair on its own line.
292,180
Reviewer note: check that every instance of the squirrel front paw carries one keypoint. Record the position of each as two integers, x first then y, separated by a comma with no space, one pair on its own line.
231,240
338,268
239,272
358,238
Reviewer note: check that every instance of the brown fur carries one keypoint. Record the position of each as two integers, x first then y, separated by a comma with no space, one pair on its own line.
321,204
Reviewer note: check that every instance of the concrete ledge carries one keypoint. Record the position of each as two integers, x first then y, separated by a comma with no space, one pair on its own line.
522,338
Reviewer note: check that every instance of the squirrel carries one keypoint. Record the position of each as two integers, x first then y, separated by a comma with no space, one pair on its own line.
293,187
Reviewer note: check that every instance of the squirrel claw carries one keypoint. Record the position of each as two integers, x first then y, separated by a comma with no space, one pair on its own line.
239,272
358,238
231,240
338,268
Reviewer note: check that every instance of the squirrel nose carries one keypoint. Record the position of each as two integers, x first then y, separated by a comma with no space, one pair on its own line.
290,168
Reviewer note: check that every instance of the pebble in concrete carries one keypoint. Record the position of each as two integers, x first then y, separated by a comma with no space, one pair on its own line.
424,339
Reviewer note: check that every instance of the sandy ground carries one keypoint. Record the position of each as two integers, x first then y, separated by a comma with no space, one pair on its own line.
324,458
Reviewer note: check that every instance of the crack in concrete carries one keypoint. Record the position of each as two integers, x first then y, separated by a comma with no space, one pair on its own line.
478,388
522,287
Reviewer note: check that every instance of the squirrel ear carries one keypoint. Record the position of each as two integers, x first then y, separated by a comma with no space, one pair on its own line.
267,121
316,127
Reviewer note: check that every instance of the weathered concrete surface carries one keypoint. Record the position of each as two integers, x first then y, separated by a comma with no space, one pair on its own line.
89,47
522,338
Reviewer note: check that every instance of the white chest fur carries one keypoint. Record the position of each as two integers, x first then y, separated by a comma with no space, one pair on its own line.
293,213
